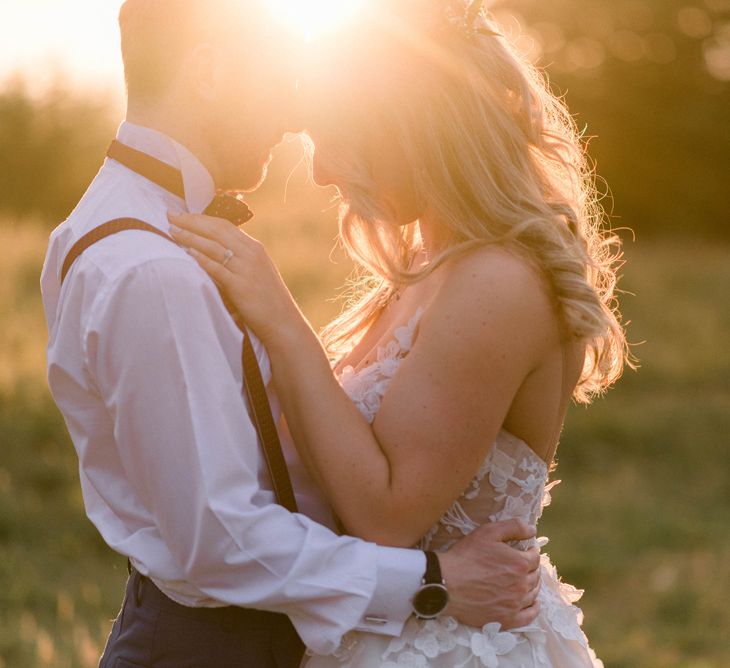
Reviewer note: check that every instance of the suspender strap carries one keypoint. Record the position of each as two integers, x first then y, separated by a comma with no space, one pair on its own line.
103,231
164,175
266,427
254,387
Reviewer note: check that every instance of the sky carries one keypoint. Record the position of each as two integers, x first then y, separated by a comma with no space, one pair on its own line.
45,38
41,39
79,39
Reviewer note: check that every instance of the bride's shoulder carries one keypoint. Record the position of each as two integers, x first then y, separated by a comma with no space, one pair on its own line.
496,290
495,271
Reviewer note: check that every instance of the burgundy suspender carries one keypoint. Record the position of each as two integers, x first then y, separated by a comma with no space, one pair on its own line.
103,231
253,381
164,175
266,427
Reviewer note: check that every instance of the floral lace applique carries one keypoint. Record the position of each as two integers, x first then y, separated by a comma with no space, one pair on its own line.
518,490
557,600
492,643
367,386
511,483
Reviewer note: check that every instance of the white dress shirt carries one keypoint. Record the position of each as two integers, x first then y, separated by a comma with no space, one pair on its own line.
144,361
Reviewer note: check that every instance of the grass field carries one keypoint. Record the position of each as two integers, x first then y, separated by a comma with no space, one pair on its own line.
640,520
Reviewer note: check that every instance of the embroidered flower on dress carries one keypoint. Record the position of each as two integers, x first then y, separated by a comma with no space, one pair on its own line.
547,498
512,483
436,637
407,660
492,643
367,386
501,470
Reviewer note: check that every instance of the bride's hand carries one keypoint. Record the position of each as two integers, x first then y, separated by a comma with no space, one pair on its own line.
242,269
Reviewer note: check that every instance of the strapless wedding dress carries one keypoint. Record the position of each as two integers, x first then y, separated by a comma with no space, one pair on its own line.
512,483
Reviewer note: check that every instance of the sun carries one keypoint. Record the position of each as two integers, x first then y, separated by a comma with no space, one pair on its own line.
314,17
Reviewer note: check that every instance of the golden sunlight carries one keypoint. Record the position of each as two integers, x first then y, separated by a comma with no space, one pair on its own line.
45,41
313,17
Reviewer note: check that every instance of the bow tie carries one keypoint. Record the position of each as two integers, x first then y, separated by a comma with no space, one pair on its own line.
169,178
231,208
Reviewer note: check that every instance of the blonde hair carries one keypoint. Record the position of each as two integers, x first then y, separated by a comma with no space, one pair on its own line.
496,158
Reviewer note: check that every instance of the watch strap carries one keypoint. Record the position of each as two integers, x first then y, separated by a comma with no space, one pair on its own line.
433,569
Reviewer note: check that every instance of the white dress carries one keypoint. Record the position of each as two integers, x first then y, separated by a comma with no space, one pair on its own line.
512,483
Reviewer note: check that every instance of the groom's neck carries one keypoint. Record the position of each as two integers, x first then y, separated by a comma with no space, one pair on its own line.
183,130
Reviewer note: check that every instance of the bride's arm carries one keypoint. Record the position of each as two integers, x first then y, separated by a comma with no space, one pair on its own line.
481,337
391,482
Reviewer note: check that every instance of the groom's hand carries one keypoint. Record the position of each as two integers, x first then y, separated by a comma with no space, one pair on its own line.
490,581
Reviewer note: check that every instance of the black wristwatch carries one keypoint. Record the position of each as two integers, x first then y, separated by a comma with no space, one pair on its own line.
433,597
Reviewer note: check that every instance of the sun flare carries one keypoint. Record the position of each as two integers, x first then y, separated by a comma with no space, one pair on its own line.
313,17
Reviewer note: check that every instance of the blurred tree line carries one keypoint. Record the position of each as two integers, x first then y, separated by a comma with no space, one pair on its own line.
648,79
50,148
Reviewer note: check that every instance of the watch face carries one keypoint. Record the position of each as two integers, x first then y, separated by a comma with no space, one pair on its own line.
430,601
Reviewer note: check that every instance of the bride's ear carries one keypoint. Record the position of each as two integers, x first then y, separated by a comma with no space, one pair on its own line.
206,71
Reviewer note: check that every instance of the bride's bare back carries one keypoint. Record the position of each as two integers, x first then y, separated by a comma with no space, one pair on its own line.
538,407
510,483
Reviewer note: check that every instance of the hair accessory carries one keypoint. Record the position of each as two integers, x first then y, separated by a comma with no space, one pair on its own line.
472,20
472,12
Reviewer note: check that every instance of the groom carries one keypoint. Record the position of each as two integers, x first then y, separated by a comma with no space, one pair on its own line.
144,362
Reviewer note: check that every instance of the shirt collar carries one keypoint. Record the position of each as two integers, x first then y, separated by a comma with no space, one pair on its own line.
199,184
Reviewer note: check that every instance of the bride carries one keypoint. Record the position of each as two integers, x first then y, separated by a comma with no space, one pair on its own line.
488,305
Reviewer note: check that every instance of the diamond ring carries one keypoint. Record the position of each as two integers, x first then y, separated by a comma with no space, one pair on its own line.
227,256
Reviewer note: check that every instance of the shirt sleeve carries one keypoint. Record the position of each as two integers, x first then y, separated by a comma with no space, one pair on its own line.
159,348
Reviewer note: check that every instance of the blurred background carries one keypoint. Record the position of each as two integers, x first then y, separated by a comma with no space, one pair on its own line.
641,518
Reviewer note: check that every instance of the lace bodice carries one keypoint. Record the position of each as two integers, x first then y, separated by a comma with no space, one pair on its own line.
512,481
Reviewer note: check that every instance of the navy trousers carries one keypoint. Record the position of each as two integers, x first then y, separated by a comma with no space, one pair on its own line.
153,631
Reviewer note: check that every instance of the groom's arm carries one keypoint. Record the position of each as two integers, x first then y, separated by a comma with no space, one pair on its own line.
165,357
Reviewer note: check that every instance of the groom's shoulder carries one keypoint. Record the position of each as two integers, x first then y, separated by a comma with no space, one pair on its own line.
114,257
